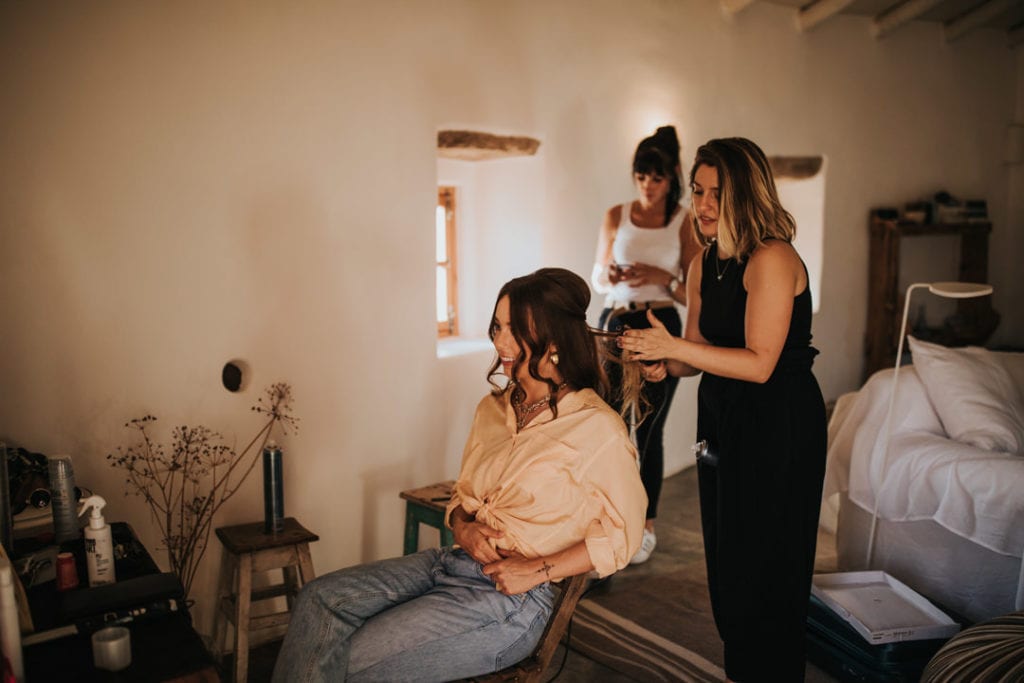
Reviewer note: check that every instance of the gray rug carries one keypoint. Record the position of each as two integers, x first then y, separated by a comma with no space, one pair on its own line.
653,622
625,646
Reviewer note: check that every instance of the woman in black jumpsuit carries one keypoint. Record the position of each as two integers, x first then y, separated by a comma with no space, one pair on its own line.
759,408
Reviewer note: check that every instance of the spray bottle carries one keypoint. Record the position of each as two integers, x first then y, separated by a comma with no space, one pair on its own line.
99,546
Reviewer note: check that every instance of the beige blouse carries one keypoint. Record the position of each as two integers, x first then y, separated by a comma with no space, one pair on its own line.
556,482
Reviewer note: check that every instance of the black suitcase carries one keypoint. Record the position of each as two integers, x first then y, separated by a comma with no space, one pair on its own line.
834,646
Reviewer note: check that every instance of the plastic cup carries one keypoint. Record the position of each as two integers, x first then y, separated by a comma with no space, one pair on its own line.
112,648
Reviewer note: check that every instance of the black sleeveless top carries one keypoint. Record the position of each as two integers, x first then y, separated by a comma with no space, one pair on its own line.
723,309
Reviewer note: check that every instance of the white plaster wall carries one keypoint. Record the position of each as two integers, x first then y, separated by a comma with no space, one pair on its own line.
184,184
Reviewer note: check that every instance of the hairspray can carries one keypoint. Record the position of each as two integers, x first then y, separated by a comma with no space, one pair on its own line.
62,501
273,489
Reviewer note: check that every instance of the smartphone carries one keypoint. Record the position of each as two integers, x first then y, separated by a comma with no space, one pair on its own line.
625,269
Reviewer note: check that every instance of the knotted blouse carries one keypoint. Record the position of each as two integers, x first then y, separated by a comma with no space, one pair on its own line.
557,482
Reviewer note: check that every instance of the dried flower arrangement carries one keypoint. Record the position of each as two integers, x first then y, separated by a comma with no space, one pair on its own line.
185,485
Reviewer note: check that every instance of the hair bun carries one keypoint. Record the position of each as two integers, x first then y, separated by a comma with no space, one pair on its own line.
665,137
575,286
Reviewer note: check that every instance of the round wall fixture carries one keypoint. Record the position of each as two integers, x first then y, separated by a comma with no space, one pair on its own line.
235,375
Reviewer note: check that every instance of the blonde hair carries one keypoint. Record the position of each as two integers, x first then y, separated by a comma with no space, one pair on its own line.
633,403
749,211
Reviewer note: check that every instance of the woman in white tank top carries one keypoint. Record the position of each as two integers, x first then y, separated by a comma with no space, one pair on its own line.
643,251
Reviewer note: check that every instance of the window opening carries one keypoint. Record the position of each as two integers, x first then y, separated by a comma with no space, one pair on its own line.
801,185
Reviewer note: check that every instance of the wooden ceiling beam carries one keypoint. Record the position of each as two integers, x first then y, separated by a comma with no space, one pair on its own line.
734,7
900,14
818,11
979,16
470,145
795,168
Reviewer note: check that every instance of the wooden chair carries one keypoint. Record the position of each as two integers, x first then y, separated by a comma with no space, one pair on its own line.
531,669
426,505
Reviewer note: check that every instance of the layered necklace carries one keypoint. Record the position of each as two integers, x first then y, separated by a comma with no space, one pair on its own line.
525,412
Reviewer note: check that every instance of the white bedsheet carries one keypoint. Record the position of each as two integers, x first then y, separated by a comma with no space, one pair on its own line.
974,493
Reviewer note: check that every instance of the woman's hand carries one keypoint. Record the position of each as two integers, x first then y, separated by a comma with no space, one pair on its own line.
617,272
655,343
514,574
475,538
655,372
645,274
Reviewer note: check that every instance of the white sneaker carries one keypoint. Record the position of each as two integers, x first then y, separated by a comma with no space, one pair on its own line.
646,547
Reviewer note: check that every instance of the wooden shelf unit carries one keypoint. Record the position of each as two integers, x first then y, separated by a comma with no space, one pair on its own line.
974,321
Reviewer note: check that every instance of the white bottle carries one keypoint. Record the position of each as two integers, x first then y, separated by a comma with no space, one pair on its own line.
99,546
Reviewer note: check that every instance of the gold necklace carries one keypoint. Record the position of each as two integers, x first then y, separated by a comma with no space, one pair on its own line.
721,273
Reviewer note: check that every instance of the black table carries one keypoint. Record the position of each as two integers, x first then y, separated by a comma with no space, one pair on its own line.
164,644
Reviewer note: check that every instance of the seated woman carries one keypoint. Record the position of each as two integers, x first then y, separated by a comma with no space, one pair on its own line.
549,488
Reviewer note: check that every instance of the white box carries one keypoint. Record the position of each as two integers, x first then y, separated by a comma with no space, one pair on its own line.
881,608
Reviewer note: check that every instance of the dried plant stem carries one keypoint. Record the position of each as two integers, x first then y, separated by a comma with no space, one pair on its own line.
186,484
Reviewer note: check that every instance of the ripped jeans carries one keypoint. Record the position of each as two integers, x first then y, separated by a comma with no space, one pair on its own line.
430,616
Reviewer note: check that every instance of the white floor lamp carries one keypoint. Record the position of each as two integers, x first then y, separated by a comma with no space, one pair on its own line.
948,290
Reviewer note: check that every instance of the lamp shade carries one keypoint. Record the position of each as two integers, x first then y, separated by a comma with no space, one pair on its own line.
960,290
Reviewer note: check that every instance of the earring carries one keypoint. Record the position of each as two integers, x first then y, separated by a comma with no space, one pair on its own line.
554,357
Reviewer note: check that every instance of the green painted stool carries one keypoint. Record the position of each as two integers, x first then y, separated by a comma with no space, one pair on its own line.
426,506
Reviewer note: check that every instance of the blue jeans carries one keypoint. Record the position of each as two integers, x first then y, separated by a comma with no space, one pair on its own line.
430,616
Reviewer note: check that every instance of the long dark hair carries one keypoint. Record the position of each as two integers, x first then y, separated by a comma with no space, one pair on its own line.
659,154
549,308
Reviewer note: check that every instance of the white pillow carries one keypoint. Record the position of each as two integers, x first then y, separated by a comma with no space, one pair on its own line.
973,394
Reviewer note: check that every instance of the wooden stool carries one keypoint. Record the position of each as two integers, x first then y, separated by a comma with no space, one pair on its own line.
248,549
426,506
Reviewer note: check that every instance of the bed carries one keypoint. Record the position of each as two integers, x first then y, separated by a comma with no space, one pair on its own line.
950,492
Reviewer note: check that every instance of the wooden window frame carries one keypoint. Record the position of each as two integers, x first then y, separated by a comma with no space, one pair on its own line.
446,198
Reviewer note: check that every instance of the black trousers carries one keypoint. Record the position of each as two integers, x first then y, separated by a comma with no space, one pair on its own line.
650,434
759,513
